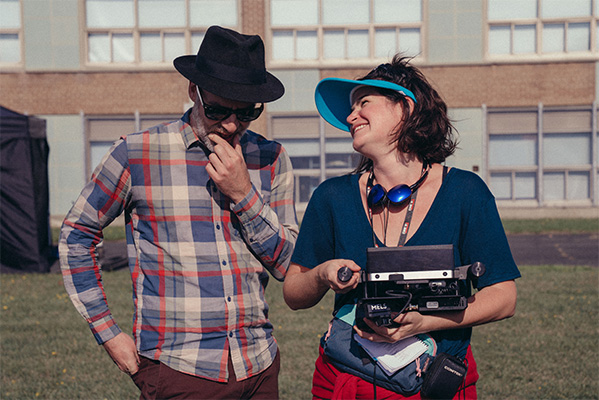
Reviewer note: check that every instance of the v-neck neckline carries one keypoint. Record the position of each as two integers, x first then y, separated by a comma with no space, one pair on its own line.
365,222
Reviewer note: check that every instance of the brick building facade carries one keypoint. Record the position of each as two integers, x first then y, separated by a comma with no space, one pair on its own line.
87,103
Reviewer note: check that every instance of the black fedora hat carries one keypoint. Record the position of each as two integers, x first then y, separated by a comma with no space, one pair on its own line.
231,65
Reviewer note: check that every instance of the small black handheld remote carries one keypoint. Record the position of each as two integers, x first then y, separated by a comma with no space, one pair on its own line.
344,274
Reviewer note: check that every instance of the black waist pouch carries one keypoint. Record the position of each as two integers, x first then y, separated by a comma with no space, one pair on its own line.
443,378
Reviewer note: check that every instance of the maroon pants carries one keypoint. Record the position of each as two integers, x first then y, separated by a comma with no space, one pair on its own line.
158,381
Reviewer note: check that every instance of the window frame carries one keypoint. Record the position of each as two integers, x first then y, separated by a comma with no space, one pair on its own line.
320,28
539,23
19,65
137,122
136,31
542,170
318,131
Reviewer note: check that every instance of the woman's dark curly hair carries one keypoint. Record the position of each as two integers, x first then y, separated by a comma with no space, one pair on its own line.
426,131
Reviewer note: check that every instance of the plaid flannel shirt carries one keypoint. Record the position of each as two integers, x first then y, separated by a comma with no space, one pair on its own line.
197,261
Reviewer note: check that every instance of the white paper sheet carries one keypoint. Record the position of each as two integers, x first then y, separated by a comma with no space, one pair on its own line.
392,357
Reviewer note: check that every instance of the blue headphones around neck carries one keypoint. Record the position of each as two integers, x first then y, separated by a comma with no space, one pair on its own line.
397,195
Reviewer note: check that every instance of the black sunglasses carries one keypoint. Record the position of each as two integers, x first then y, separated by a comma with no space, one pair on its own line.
219,113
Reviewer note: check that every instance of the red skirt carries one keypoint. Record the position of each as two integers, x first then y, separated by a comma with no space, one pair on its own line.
330,383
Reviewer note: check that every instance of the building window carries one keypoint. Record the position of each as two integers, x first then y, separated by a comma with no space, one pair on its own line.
317,151
131,32
321,30
10,32
542,27
101,131
306,156
543,155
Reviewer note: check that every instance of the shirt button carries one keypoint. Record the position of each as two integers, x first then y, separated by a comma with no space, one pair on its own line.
217,226
230,334
229,298
224,262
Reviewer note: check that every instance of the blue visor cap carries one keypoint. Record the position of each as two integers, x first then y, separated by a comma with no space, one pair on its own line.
333,98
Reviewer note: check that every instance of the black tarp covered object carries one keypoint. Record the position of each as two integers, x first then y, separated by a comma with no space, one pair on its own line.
26,243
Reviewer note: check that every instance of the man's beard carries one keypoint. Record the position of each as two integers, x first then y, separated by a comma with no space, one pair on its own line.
201,132
200,129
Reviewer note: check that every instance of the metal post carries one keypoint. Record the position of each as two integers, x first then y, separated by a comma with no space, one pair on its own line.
137,121
594,156
86,148
484,169
540,167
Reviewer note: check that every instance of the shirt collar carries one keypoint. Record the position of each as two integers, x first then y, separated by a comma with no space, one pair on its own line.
189,137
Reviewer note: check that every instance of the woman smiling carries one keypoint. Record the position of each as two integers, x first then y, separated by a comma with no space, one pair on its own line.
400,194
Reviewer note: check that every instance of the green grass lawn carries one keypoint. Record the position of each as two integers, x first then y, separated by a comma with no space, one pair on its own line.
548,350
572,225
551,225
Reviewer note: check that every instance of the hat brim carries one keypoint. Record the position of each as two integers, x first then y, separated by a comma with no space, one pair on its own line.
270,90
333,98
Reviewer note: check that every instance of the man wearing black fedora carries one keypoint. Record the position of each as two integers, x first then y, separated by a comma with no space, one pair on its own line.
210,214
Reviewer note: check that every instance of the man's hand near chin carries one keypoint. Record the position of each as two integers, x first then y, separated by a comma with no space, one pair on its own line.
228,169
